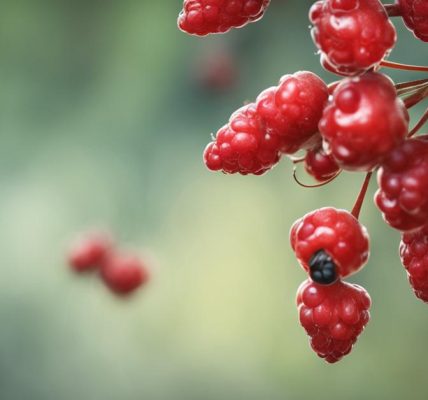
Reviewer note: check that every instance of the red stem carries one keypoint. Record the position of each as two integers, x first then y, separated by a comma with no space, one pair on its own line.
393,10
410,84
360,199
416,97
404,67
420,124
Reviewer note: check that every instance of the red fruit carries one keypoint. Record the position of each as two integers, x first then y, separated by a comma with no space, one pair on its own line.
352,34
202,17
293,109
330,244
363,121
89,252
415,16
320,165
414,256
333,316
243,145
123,274
403,186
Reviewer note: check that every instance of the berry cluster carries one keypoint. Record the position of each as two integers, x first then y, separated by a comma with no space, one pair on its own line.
357,124
122,273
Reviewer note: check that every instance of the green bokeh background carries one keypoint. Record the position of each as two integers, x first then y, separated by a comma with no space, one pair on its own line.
103,125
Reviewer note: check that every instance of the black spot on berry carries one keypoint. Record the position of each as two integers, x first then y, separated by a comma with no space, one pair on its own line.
322,268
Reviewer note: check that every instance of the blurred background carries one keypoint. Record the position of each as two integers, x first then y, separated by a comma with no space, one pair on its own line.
105,108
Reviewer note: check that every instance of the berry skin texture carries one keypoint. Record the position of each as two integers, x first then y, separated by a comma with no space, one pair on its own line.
338,234
352,34
203,17
320,165
333,316
89,252
415,16
243,145
414,256
292,110
123,274
363,122
402,196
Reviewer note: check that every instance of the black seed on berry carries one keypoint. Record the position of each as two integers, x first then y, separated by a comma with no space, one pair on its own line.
322,268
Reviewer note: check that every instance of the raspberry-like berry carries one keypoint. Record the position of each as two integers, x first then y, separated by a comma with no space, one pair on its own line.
352,34
333,316
89,252
414,256
243,145
124,274
320,165
403,186
293,109
202,17
415,16
363,121
327,240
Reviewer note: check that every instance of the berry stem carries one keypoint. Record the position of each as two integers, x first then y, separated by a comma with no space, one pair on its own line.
420,124
393,10
360,199
404,67
317,185
416,97
405,87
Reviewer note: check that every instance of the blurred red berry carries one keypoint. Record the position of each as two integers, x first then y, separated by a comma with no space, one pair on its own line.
202,17
89,252
352,34
363,121
320,165
123,274
330,244
415,16
333,316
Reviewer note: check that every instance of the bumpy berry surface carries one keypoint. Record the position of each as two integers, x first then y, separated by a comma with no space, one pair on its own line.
414,256
352,34
363,121
335,232
89,252
202,17
243,145
123,274
293,109
320,165
403,186
333,316
415,16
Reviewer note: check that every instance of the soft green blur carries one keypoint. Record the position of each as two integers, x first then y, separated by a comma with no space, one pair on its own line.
103,126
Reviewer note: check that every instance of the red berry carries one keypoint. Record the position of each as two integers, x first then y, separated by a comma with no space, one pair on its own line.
414,256
89,252
293,109
320,165
202,17
363,121
333,316
403,186
243,145
124,274
330,244
352,34
415,16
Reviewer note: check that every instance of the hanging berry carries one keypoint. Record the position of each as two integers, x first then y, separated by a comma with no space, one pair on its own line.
415,16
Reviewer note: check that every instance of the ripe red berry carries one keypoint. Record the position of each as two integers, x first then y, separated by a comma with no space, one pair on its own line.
414,256
363,121
89,252
320,165
333,316
330,244
403,186
124,274
415,16
243,145
202,17
293,109
352,34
